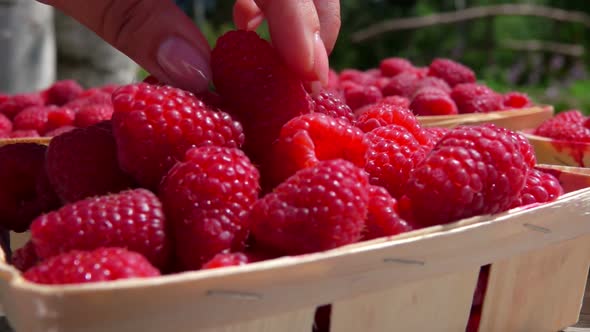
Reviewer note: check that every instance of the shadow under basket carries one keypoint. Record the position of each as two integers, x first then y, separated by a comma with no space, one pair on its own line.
418,281
517,119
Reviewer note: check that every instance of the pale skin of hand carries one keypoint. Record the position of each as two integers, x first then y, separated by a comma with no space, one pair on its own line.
162,39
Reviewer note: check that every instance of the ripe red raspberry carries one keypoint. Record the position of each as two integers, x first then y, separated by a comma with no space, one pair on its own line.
93,114
109,88
514,100
540,187
380,83
89,97
383,114
451,72
59,117
25,258
155,125
433,101
5,124
22,198
206,199
333,80
383,218
131,219
308,139
62,92
318,208
3,98
83,162
33,118
476,98
102,264
393,152
14,104
227,259
59,131
471,171
402,85
356,76
358,96
261,90
396,101
432,82
24,133
391,67
436,133
565,126
327,102
574,116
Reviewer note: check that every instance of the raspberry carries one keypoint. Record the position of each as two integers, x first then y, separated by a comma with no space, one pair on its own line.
432,82
476,98
22,168
59,131
525,147
262,91
514,100
59,117
382,114
89,97
318,208
25,133
356,76
83,162
392,154
381,82
329,103
358,96
396,101
131,219
93,114
155,125
391,67
62,92
565,126
402,85
5,124
471,171
227,259
383,219
310,138
574,116
14,104
451,72
109,88
436,133
540,187
433,101
103,264
33,118
207,198
25,258
333,80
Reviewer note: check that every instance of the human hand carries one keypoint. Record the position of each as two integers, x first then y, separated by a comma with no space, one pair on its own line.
162,39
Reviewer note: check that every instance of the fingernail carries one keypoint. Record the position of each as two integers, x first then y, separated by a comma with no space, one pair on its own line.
185,65
321,66
255,22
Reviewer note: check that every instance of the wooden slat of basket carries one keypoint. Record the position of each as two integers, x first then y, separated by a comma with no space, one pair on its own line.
437,304
513,119
553,152
539,291
38,140
298,321
270,288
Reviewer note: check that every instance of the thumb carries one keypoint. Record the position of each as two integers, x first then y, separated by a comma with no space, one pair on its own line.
154,33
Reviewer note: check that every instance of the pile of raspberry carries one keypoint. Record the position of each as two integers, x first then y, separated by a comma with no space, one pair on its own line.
444,87
260,169
568,126
59,108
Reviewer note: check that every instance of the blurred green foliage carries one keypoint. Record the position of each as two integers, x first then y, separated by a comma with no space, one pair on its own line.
481,44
